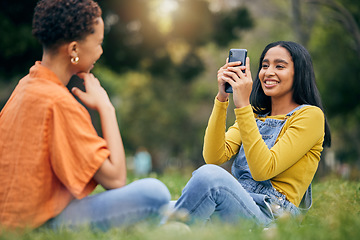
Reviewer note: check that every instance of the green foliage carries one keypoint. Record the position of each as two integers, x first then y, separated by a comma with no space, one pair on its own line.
335,56
139,40
19,49
135,36
150,65
160,66
157,113
337,68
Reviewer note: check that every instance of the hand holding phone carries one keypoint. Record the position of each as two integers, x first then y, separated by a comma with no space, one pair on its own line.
234,56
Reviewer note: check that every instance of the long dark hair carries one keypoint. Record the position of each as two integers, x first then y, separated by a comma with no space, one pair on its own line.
305,89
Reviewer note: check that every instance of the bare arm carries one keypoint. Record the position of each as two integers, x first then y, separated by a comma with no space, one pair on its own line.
112,173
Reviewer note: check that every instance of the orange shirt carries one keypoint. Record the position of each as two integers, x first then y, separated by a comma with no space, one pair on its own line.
49,150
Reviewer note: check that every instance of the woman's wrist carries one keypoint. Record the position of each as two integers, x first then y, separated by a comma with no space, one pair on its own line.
106,107
242,105
221,98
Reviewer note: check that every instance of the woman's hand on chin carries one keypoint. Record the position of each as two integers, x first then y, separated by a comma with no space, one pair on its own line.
95,96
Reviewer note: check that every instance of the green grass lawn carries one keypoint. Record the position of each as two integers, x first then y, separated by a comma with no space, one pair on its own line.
335,214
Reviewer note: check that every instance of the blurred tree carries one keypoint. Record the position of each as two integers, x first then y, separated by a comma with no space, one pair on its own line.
134,37
303,23
19,49
338,71
139,40
161,42
347,16
153,61
152,47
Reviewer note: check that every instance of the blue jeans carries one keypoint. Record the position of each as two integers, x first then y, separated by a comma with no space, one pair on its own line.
137,201
213,192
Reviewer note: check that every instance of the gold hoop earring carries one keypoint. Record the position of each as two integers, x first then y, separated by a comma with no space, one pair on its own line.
75,60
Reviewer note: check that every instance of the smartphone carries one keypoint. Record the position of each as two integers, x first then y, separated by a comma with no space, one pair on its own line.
234,56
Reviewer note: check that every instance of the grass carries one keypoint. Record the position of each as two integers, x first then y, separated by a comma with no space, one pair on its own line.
335,215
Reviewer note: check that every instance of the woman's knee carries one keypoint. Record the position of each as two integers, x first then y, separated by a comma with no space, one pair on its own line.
210,170
211,175
153,190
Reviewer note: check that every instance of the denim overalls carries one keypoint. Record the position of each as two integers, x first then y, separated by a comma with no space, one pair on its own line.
271,202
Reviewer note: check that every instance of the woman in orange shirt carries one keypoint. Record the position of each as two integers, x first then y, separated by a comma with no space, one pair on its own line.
51,157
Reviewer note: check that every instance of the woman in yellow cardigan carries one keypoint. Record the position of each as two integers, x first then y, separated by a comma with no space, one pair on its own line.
278,137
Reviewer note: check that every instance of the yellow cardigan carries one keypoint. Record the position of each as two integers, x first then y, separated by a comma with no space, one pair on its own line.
290,164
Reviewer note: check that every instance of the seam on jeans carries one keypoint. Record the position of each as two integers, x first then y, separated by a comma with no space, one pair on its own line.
150,212
241,202
95,223
234,195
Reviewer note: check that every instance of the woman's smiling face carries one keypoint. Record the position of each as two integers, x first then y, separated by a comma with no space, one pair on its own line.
277,73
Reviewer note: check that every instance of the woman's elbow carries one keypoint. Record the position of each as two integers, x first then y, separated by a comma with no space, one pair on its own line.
110,181
114,183
209,159
258,176
119,183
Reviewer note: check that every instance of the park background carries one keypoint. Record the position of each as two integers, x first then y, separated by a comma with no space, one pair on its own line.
159,67
161,58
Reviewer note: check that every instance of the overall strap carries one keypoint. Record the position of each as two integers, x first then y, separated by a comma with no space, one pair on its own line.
295,109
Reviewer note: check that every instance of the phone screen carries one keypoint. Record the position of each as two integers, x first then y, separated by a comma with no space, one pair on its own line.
234,56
